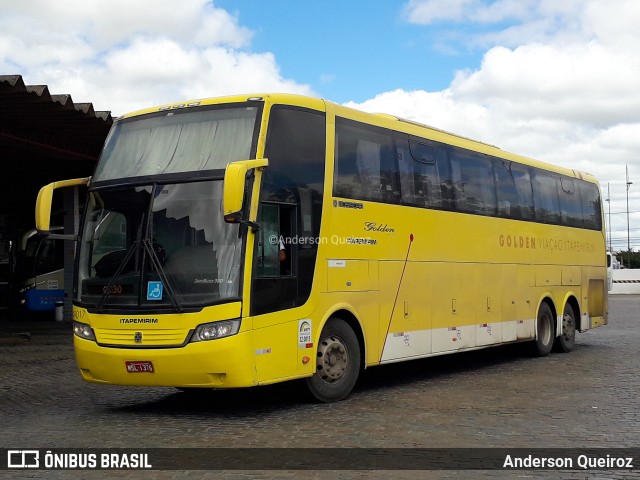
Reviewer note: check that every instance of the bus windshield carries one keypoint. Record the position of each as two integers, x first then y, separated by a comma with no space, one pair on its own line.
154,236
178,141
160,245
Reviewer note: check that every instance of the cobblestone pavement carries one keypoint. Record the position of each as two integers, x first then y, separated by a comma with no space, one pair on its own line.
493,398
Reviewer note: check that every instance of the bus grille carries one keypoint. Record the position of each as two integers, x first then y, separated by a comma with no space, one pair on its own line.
142,338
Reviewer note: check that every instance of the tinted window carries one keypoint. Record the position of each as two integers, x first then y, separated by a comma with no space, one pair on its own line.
570,204
424,174
545,196
290,207
366,167
592,208
513,190
295,149
473,181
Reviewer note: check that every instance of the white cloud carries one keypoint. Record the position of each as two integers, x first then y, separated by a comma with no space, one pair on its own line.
328,78
426,12
106,24
122,55
585,84
511,23
491,11
560,84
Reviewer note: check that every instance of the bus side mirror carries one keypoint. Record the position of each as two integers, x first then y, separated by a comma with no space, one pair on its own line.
234,185
44,203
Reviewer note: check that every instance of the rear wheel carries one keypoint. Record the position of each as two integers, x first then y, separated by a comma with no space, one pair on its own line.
545,331
565,342
337,362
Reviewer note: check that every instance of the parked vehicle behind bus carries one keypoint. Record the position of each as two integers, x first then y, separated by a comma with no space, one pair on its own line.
39,275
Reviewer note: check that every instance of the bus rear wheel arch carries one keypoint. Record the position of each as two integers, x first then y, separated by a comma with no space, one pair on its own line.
338,360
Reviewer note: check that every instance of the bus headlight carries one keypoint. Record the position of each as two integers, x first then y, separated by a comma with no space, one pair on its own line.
83,330
214,330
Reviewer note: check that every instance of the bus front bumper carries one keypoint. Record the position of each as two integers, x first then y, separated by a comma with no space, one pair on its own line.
222,363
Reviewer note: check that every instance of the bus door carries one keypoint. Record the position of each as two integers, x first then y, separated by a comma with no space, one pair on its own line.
275,285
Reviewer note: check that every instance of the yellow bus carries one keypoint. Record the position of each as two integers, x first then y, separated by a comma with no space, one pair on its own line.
248,240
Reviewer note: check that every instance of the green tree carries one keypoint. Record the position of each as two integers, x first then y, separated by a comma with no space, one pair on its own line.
629,259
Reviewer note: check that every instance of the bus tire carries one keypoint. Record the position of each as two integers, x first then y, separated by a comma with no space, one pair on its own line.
545,331
565,342
337,362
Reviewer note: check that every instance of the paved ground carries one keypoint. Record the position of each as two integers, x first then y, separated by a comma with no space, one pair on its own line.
494,398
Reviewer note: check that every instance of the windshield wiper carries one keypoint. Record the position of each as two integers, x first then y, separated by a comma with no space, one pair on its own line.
108,289
148,247
155,261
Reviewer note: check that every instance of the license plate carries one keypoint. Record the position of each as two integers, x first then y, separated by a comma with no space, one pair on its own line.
139,367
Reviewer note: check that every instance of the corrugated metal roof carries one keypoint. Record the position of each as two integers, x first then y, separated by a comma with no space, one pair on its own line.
33,118
14,84
44,137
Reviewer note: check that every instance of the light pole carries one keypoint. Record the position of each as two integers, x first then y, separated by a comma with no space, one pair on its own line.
628,237
608,200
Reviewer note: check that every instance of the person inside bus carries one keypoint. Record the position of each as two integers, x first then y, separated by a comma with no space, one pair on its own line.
283,259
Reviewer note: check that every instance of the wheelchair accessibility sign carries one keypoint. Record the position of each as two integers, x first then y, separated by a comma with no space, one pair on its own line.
154,291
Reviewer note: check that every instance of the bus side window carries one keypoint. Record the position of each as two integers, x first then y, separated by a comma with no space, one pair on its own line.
293,186
474,181
513,190
366,164
570,203
425,174
545,196
591,205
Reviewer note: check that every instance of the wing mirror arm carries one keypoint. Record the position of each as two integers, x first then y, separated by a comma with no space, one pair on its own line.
235,176
235,218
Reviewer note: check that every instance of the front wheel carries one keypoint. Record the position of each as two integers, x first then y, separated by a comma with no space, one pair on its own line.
565,342
337,362
545,331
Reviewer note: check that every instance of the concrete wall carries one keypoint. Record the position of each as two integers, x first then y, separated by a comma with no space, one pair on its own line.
626,281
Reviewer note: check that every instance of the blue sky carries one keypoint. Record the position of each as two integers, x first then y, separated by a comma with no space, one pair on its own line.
553,80
351,51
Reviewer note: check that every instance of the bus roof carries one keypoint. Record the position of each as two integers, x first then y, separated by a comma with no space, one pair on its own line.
384,120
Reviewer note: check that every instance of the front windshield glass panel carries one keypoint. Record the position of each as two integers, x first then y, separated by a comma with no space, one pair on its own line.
162,246
178,141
